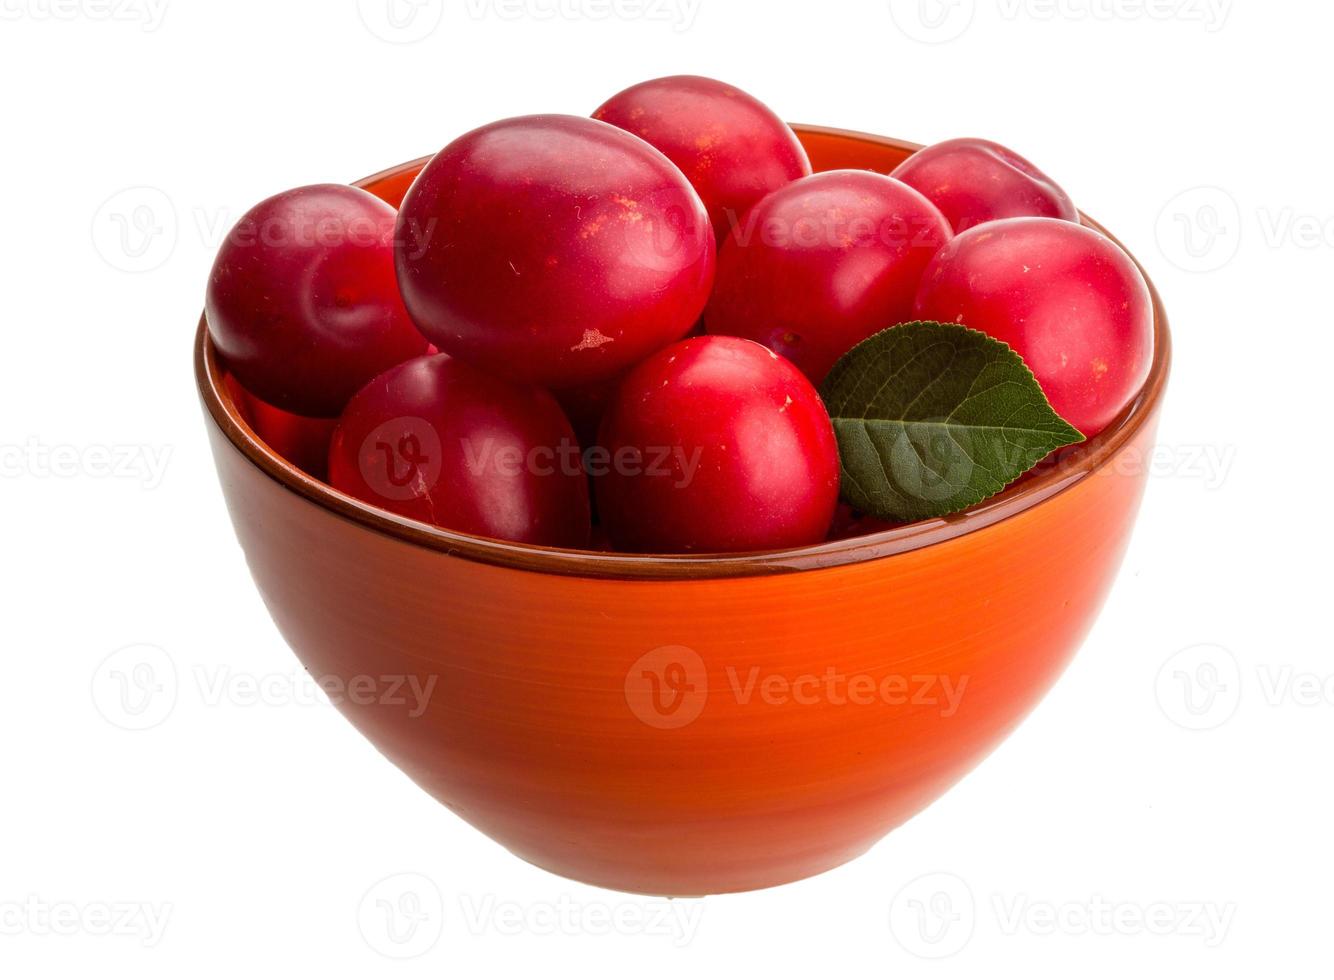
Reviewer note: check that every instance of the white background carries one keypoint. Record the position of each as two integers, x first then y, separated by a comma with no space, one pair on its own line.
1133,823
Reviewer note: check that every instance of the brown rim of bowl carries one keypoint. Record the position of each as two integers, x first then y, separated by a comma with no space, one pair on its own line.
1075,464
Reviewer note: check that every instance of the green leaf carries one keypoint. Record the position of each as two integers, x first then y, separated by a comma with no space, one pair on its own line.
934,417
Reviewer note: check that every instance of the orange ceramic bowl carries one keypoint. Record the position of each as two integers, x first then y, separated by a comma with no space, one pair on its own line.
686,725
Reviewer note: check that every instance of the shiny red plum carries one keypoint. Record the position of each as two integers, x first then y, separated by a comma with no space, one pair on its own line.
302,302
716,444
823,263
973,181
1069,300
440,441
732,148
552,249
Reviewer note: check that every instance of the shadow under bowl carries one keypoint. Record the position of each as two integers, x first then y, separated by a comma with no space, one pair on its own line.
683,725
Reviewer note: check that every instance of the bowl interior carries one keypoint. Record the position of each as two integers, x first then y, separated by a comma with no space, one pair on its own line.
829,149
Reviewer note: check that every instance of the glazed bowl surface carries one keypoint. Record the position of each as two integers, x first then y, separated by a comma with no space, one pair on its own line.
683,725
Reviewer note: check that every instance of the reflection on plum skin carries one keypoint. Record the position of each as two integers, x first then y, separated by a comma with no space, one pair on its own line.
302,441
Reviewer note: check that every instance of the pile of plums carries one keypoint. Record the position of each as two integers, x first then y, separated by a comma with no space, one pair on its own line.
643,302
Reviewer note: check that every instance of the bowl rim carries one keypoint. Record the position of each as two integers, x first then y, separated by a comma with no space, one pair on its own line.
1076,464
